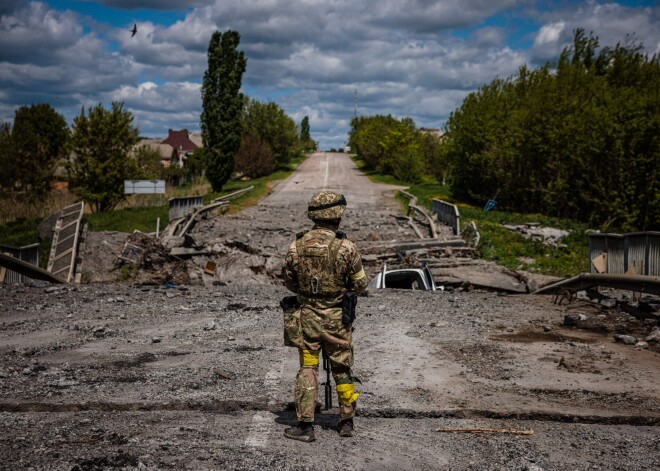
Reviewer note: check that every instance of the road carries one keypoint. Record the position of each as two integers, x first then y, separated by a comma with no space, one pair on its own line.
333,172
196,377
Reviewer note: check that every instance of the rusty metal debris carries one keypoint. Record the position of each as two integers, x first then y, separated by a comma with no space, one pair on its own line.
209,268
564,295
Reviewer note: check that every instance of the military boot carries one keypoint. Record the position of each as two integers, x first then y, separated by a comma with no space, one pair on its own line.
345,428
304,432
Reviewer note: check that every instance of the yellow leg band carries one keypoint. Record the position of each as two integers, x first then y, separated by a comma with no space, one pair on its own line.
347,394
309,357
359,275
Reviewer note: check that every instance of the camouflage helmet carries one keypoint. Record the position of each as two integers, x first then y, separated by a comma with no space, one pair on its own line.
326,205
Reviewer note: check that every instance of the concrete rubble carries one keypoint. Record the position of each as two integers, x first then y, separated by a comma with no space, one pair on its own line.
165,373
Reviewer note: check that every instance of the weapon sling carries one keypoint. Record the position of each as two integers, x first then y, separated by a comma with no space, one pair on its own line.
327,384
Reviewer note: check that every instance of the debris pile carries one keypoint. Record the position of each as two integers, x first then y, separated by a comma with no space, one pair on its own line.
144,260
612,312
545,235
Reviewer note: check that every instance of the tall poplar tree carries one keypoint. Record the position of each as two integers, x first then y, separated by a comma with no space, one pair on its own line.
222,104
305,136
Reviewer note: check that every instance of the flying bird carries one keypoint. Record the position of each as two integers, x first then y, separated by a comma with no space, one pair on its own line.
134,30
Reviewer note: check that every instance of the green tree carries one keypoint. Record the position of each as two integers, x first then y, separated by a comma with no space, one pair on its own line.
255,157
576,139
148,163
38,140
222,104
389,145
7,162
196,164
101,141
305,136
269,123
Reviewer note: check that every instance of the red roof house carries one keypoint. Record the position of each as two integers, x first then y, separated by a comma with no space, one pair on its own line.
181,143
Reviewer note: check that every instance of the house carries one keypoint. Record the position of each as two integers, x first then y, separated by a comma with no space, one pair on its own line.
196,137
182,144
166,151
435,132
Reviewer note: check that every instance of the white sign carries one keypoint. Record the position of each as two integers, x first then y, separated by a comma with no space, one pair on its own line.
145,187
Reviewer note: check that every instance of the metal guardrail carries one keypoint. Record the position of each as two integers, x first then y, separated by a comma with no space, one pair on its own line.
181,207
638,250
448,214
27,253
64,251
235,194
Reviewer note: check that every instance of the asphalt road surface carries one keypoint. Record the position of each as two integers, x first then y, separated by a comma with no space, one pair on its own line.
105,376
333,172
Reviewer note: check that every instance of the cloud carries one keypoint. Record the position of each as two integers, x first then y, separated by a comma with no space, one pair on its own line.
153,4
431,15
416,58
171,97
610,22
24,32
159,107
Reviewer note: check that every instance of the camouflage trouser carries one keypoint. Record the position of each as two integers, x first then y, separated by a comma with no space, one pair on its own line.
323,328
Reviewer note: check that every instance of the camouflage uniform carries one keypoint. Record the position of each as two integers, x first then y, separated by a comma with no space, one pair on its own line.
319,267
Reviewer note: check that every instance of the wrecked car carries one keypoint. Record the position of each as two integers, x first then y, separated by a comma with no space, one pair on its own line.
404,278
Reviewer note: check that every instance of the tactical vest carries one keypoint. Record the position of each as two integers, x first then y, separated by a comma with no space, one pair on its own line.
317,274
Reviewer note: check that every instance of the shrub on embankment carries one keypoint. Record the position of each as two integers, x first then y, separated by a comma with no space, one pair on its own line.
579,139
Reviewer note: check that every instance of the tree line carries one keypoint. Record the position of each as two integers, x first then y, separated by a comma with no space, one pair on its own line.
579,138
99,151
395,146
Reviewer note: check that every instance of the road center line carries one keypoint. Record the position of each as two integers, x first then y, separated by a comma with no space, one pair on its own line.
327,171
262,421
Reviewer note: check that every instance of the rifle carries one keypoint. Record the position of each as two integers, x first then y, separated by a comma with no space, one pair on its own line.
328,385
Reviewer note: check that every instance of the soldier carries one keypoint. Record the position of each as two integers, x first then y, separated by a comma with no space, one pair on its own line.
320,266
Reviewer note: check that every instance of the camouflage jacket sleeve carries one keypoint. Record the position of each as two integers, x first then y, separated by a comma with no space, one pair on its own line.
289,269
357,279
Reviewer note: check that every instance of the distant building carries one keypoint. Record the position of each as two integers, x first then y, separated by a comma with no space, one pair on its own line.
196,137
183,144
166,151
433,132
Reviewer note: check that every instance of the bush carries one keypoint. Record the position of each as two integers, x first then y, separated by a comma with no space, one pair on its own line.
255,157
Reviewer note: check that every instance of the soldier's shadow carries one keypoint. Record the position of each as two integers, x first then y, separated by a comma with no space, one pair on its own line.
326,419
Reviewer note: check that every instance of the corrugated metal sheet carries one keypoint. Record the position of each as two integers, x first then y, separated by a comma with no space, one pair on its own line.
27,253
597,246
640,250
653,263
616,255
636,252
448,214
181,207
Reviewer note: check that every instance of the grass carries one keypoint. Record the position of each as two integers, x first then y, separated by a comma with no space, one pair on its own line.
511,249
128,220
22,232
499,244
374,176
146,209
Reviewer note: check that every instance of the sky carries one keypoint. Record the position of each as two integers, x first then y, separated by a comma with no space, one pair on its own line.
325,59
